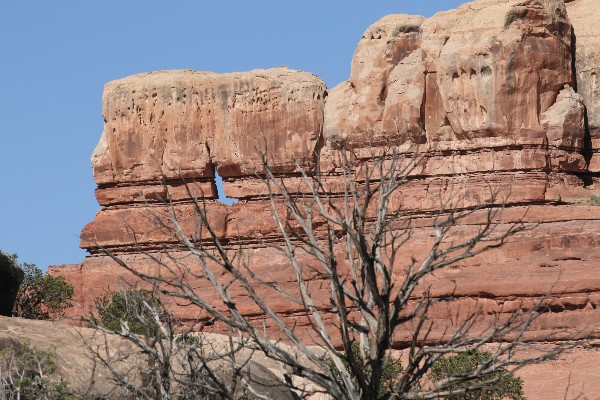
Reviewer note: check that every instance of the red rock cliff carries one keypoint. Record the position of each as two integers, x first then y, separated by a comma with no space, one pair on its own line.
497,93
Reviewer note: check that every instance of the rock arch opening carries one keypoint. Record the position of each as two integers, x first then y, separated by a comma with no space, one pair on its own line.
221,190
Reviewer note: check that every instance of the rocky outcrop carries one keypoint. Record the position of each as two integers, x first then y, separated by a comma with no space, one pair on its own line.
78,353
11,277
482,76
585,17
474,68
168,126
495,95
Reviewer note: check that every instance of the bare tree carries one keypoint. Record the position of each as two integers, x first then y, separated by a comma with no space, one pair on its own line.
349,246
27,372
166,361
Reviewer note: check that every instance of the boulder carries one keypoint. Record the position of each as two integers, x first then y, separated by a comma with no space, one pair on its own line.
11,277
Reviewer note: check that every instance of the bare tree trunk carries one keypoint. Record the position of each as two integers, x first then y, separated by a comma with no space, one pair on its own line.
356,242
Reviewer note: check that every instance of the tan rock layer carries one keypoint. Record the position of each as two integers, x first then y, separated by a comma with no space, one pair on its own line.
552,380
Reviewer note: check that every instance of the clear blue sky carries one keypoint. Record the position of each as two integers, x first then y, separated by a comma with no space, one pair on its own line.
57,55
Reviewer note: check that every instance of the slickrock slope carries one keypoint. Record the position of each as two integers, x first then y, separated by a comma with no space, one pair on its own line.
66,343
76,365
499,94
89,378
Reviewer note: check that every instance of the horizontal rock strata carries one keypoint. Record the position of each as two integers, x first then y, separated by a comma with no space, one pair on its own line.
495,97
552,258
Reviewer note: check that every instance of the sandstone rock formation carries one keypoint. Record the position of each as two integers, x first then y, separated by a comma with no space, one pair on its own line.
11,277
585,17
496,94
481,76
162,127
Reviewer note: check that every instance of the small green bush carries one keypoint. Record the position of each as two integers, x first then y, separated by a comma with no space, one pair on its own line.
595,200
28,373
41,296
504,386
391,371
132,307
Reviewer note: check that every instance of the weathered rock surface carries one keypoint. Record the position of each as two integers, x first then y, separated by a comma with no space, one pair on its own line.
179,125
497,95
571,376
11,276
585,17
89,378
487,69
553,258
71,357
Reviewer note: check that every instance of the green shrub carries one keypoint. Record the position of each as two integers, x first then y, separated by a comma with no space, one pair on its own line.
28,373
391,370
41,296
132,307
595,200
504,385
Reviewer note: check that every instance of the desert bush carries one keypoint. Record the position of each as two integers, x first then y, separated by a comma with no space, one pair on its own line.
133,309
29,373
391,369
41,296
471,385
499,385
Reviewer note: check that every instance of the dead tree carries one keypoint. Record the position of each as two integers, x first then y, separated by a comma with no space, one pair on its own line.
353,244
164,361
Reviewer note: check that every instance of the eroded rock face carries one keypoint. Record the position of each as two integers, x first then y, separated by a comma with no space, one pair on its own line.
11,277
356,109
486,70
585,17
178,123
174,125
487,94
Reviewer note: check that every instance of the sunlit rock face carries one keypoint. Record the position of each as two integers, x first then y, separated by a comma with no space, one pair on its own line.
497,95
480,76
173,125
381,102
585,17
